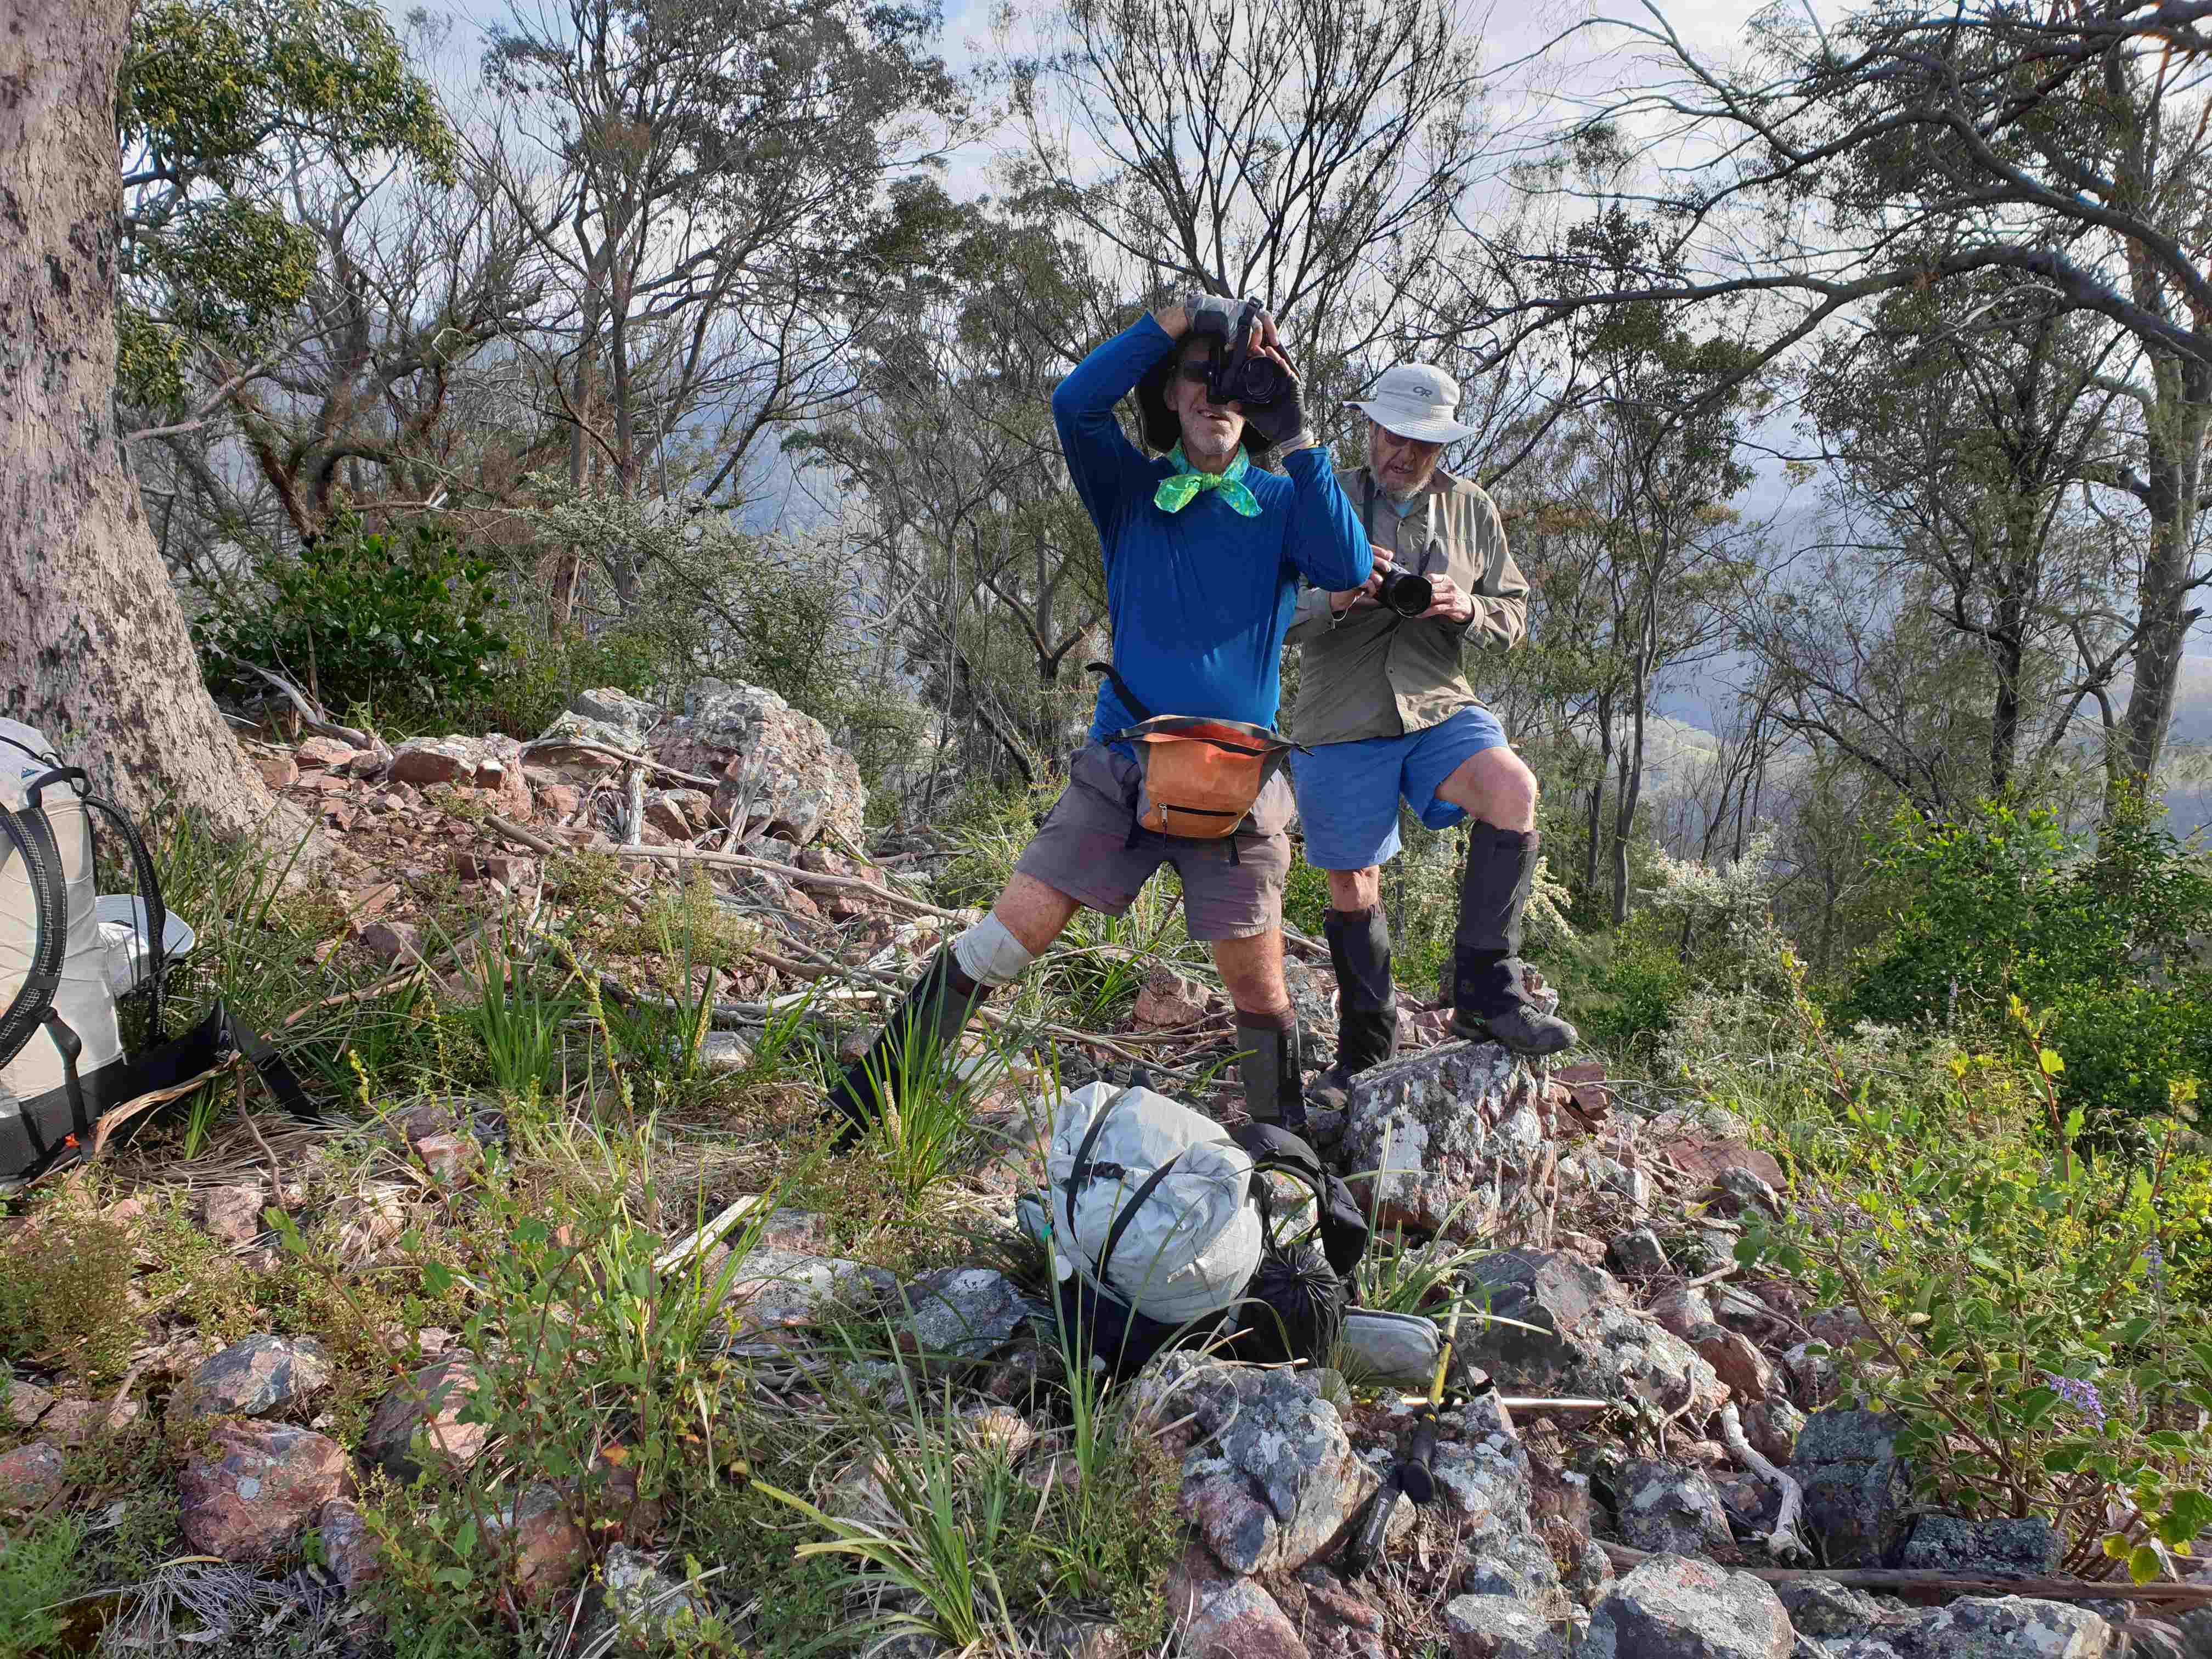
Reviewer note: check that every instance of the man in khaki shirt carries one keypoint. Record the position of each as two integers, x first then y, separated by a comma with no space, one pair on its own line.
1385,711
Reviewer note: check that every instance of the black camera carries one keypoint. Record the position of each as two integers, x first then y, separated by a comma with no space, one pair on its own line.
1236,374
1406,593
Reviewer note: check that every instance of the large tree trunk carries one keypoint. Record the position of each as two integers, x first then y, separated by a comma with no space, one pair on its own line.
93,647
2174,469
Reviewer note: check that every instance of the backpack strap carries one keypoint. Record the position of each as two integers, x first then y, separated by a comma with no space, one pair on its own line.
149,895
1343,1229
1130,700
32,838
1127,1214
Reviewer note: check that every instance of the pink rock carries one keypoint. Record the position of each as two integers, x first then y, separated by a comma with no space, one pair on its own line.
434,760
427,1404
73,1422
233,1214
1747,1372
1681,1309
1220,1614
560,802
1169,999
321,753
349,1551
391,942
29,1475
277,771
1703,1159
549,1549
448,1158
249,1494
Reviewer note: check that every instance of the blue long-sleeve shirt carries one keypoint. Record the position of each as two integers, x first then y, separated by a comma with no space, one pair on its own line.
1200,599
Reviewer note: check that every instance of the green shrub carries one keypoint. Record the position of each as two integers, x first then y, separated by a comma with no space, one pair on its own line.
39,1569
1627,988
2023,1320
62,1282
2007,905
400,623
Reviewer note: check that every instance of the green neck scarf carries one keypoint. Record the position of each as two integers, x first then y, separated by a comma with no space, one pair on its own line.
1184,487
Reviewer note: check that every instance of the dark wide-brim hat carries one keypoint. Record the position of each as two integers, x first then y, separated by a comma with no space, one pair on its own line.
1161,427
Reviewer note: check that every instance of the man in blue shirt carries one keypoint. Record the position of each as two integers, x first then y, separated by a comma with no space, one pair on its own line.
1204,554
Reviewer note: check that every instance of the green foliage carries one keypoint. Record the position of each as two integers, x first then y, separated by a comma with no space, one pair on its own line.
2020,1304
530,687
216,98
41,1568
1626,988
399,623
63,1279
2005,904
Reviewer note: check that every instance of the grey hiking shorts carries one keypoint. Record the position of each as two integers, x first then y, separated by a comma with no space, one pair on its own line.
1083,849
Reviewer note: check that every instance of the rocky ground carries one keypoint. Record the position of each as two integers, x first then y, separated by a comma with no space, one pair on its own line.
1652,1458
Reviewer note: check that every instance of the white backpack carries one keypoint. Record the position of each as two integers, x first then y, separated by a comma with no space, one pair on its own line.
1150,1203
68,957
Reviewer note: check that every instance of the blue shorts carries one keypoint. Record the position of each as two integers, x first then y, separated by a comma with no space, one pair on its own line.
1348,791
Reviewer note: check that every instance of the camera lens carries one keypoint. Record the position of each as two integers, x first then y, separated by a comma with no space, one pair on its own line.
1406,593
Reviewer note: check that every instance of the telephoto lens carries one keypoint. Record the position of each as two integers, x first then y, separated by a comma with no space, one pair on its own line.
1406,593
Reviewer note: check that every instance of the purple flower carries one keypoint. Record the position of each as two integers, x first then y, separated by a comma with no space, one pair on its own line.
2155,1259
2078,1393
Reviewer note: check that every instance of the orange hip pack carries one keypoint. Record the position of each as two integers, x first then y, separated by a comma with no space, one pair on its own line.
1201,775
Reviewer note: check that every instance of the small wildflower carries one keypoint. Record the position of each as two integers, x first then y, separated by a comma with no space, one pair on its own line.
2078,1393
2155,1259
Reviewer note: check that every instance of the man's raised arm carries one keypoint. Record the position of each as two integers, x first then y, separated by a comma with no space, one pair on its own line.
1100,457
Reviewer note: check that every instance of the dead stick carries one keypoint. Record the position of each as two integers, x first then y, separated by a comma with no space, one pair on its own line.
789,872
1783,1543
363,994
646,761
1904,1581
522,837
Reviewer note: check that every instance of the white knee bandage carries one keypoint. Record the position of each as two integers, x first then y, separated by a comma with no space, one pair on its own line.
990,955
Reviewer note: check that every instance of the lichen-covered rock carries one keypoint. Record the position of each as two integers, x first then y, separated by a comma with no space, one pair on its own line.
1489,1500
791,780
428,1405
1272,1477
773,1289
1669,1510
644,1601
29,1475
1589,1341
1772,1426
1820,1607
1943,1543
1856,1487
1456,1137
1673,1608
1167,999
1499,1628
253,1486
256,1377
2005,1627
970,1312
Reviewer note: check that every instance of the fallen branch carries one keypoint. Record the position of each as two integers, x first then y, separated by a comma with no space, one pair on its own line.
1784,1542
698,1244
311,713
612,753
788,872
527,838
1539,1406
366,992
1944,1586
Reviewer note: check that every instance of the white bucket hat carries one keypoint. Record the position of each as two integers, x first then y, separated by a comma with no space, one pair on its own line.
1417,401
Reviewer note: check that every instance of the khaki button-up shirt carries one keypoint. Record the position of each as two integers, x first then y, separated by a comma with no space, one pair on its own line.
1369,672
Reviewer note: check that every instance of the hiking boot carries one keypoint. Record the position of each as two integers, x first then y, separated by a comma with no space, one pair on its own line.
1490,995
1367,1003
928,1020
1491,1003
1274,1088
